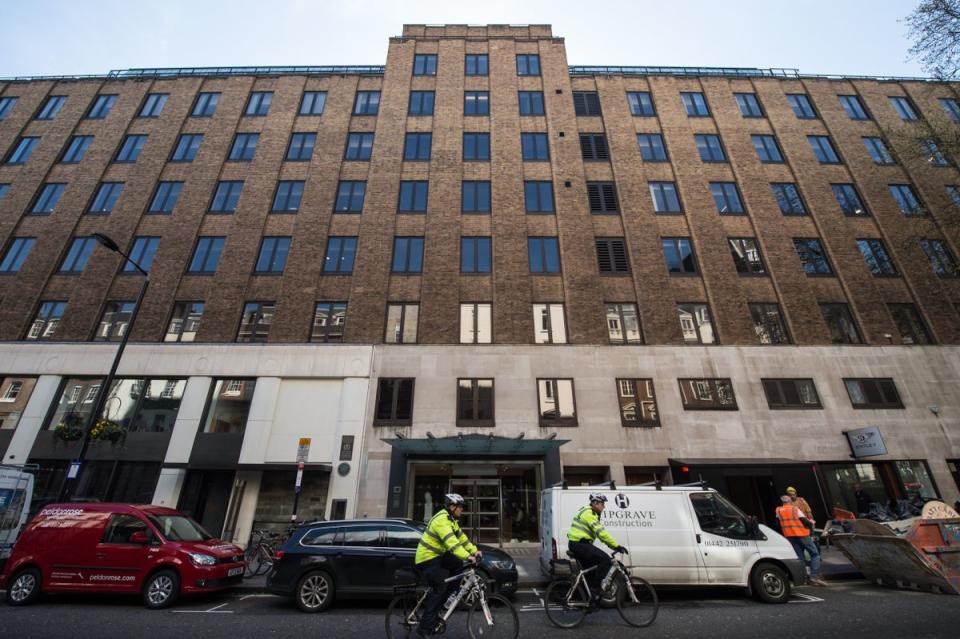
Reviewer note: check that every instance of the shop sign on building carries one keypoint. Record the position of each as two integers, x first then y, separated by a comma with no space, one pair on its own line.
866,442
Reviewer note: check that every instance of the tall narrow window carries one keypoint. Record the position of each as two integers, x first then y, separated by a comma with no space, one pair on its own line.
288,196
394,402
528,64
76,149
623,324
23,150
101,107
476,64
853,107
556,402
350,196
476,323
904,108
549,324
413,196
801,105
143,250
767,149
416,147
16,254
256,321
843,329
727,198
612,256
475,402
788,198
907,200
710,148
823,149
301,147
849,200
6,105
79,252
534,147
812,255
273,255
878,151
941,259
153,105
641,104
638,404
531,102
476,146
421,103
402,321
230,401
226,197
696,324
48,198
678,253
367,103
475,255
51,107
206,255
932,153
206,105
131,148
184,322
768,324
259,103
114,321
329,321
359,146
950,105
341,252
106,197
593,146
538,197
749,105
475,197
586,103
313,102
652,148
425,64
244,147
187,146
695,104
602,197
665,197
46,321
746,256
165,197
910,324
878,260
407,255
476,103
544,254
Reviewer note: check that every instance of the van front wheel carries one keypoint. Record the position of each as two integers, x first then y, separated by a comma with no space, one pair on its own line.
24,588
770,583
161,590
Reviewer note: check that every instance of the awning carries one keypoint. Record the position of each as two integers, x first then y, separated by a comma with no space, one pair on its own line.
738,461
475,444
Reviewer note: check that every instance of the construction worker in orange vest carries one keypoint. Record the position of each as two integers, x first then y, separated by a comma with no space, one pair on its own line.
794,524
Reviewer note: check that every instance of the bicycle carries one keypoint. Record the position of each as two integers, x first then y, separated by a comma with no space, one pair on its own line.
259,556
491,615
568,598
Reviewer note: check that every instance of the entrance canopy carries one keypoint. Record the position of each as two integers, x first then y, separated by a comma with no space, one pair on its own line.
474,444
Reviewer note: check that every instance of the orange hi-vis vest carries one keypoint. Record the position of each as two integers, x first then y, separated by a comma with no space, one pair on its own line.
790,523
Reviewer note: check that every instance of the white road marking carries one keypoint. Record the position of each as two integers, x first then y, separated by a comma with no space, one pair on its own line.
805,598
215,609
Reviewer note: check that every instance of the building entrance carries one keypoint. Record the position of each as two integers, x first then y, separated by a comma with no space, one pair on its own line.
481,520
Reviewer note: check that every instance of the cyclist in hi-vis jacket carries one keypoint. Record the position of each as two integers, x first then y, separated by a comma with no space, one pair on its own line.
584,530
442,548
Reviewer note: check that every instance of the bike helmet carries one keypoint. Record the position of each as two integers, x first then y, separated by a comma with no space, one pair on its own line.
453,499
598,497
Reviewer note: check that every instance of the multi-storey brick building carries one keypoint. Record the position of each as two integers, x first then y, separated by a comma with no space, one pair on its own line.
479,268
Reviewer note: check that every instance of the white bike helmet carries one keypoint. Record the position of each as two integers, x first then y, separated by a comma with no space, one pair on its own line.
453,499
598,497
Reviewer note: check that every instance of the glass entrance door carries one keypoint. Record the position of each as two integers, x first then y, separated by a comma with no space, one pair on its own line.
481,513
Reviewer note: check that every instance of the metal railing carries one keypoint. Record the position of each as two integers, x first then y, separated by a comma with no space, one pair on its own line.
736,72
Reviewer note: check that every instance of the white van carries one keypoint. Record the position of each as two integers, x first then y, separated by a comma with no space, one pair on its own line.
16,490
679,535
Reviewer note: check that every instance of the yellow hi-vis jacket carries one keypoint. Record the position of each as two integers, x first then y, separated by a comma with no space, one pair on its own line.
443,535
586,527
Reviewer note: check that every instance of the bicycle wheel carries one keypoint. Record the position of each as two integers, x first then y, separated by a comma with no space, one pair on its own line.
565,607
251,563
403,616
266,560
643,611
498,621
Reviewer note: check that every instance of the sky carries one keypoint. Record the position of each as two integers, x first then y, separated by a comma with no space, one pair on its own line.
74,37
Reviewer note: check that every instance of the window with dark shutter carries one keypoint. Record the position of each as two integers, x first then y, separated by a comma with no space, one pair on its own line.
603,197
593,146
612,256
586,103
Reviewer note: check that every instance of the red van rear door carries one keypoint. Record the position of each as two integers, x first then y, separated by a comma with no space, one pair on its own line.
121,561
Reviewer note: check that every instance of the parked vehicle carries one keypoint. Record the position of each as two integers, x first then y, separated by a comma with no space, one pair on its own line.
679,535
16,492
358,558
118,548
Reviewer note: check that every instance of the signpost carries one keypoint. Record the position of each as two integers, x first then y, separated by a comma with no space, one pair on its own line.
303,453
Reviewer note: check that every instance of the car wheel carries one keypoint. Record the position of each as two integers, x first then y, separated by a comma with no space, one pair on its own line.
24,588
314,592
770,583
161,589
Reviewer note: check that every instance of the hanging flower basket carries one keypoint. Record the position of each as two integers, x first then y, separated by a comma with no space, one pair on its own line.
108,431
68,431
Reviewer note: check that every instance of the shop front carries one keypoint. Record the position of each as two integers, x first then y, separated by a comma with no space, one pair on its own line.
884,490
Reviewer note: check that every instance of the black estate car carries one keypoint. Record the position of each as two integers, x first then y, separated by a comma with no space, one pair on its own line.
357,558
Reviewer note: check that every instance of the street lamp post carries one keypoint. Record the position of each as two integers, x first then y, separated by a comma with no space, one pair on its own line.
66,489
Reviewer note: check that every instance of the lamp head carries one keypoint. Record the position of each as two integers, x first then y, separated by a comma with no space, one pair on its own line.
106,241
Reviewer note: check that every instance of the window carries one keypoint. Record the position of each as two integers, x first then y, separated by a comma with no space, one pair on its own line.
184,322
273,255
3,190
695,104
23,150
76,149
413,196
652,148
106,197
707,394
206,105
46,321
823,149
678,252
475,197
544,254
531,102
813,256
878,151
941,259
695,324
131,148
476,64
849,200
75,402
727,198
145,405
367,103
259,103
710,148
114,321
475,402
556,401
6,105
843,329
229,406
534,147
142,252
878,260
476,103
586,103
873,393
746,256
788,198
425,64
528,64
950,105
768,324
329,321
301,147
602,197
153,105
612,256
641,103
904,108
549,324
593,146
952,191
476,146
15,393
638,404
416,146
407,255
48,199
767,148
288,196
749,105
791,393
206,255
402,320
340,254
313,102
802,108
255,321
475,255
421,103
932,153
350,195
16,254
226,197
359,146
853,107
623,324
187,146
101,107
78,254
910,324
476,324
394,402
665,198
165,197
244,146
907,200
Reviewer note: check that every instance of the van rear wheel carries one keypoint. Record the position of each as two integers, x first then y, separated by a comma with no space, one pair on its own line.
770,583
161,590
24,588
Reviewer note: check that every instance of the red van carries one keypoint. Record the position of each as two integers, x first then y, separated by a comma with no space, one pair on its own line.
158,552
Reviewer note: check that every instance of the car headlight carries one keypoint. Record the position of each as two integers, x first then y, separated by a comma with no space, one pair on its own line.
502,564
199,559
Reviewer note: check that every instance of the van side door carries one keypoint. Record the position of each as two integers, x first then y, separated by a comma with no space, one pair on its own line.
725,539
120,562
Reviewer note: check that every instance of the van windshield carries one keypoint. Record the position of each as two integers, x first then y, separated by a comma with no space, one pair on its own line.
180,528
